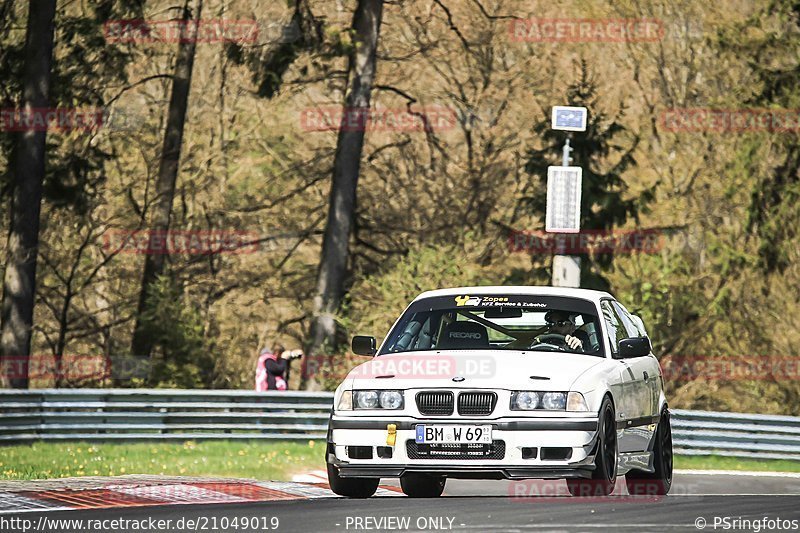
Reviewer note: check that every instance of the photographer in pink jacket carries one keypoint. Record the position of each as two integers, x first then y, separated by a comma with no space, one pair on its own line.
272,368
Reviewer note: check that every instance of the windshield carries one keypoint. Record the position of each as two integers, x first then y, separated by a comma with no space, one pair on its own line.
497,322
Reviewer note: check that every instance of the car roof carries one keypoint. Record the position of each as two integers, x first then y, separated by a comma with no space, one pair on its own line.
534,290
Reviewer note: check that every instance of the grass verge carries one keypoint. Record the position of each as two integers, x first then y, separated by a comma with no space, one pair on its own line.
244,459
716,462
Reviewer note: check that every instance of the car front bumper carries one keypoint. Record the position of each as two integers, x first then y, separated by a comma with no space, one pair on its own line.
574,437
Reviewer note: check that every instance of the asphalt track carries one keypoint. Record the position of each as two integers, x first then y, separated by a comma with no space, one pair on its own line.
477,506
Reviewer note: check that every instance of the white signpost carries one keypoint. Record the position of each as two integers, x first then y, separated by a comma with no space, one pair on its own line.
563,200
569,118
564,196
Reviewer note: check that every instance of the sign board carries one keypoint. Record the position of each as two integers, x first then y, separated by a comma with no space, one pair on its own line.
569,118
563,214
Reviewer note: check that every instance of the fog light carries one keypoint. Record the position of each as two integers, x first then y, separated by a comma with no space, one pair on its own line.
359,452
556,454
529,453
385,452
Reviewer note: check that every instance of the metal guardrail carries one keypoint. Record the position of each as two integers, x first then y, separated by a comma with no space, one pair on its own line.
161,414
735,435
167,414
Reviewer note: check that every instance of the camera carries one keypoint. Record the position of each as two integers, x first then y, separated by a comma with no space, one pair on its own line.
294,354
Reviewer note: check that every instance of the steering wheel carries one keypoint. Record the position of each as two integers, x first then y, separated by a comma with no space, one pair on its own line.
554,340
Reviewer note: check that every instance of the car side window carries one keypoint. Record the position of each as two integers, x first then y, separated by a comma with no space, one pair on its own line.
627,321
616,330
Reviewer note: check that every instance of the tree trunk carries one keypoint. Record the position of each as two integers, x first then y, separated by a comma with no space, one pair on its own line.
332,273
28,165
142,344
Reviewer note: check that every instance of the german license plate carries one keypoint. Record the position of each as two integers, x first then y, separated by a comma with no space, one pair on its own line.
440,434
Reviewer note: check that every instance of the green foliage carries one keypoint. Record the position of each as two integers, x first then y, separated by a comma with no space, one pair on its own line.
302,33
606,201
770,40
12,42
377,300
86,63
184,359
730,198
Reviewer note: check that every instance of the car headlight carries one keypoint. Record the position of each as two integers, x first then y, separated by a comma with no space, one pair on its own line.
366,399
525,400
390,399
534,400
345,401
554,401
373,399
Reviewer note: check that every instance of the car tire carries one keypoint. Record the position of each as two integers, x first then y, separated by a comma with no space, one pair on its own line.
422,485
351,487
657,483
604,476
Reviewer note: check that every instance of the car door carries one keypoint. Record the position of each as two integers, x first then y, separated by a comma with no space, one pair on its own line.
625,400
633,404
647,366
641,369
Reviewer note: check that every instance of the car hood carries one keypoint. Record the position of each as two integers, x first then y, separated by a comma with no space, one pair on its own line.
501,369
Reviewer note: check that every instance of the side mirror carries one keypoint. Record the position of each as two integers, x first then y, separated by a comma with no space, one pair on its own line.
634,347
364,345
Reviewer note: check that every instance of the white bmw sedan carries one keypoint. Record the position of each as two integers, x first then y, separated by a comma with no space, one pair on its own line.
504,382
